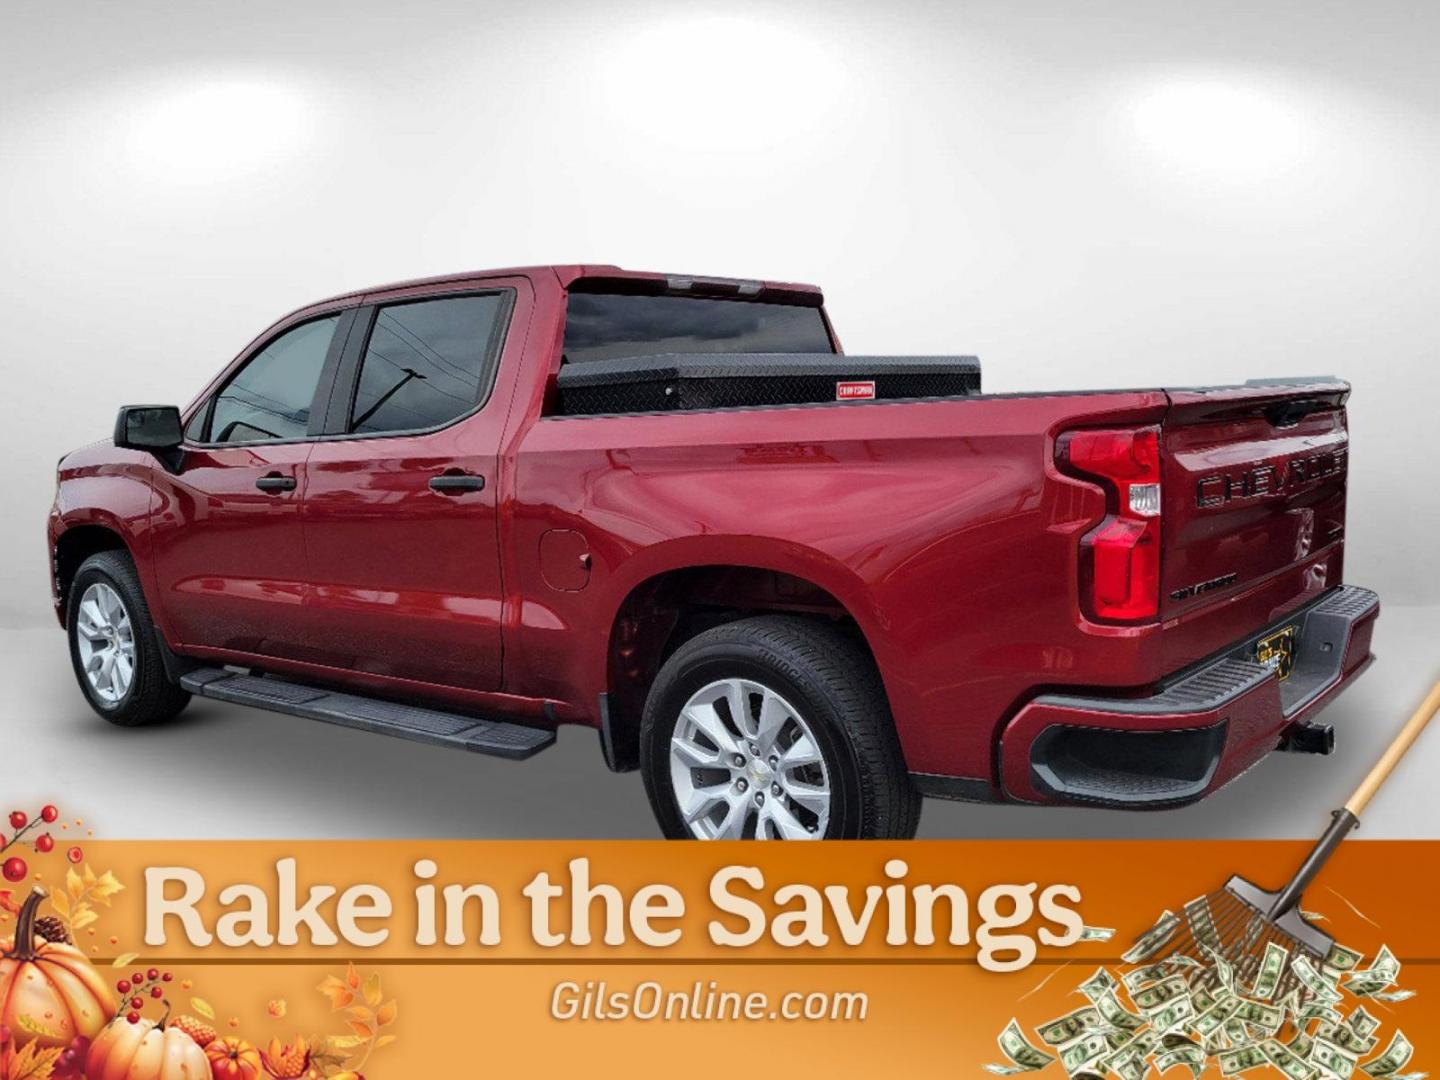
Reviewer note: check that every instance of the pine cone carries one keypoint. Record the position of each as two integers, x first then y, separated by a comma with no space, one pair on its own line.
52,929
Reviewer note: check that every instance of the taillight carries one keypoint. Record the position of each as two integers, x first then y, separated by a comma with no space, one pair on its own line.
1120,557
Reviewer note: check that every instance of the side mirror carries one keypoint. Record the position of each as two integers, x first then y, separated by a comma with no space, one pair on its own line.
154,429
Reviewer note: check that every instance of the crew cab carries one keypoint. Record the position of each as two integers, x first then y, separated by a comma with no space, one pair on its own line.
798,590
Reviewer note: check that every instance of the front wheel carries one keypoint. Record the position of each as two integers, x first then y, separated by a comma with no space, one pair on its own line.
113,645
774,728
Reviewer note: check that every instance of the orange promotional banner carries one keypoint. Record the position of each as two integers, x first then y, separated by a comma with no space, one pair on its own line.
452,958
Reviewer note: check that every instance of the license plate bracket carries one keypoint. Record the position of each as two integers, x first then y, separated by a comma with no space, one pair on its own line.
1277,651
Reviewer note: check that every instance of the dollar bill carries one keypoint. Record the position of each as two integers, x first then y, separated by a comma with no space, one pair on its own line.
1391,996
1173,1015
1154,939
1102,982
1116,1015
1242,1059
1147,973
1345,1037
1157,996
1317,1010
1287,1061
1213,1019
1361,1022
1381,973
1072,1025
1342,959
1333,1059
1272,966
1267,1017
1023,1057
1191,1056
1313,981
1223,971
1083,1052
1097,933
1396,1056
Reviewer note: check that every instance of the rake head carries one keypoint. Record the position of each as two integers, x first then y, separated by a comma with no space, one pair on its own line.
1235,924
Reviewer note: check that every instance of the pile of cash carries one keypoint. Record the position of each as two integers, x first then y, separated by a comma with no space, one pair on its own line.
1195,1011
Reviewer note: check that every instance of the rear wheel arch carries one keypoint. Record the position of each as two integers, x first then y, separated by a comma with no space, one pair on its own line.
669,608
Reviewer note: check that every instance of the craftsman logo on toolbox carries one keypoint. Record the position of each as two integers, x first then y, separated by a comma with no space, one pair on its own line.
855,391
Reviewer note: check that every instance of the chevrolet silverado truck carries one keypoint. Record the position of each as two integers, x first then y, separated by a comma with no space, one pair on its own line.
798,590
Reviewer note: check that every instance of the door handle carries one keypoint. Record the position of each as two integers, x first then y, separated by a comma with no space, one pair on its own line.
276,482
457,483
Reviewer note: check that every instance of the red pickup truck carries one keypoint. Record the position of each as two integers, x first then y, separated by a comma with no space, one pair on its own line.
799,590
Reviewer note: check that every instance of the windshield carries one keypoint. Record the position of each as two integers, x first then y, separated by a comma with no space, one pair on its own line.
601,327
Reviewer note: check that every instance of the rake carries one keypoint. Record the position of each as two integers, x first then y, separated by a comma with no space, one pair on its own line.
1238,921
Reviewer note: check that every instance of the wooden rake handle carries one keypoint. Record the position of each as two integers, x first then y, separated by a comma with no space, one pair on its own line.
1394,752
1347,818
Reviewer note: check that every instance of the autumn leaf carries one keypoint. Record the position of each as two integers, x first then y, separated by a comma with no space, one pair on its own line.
84,915
73,884
386,1013
33,1063
344,1042
365,1031
7,902
372,990
384,1040
124,959
352,977
203,1007
339,994
59,901
88,876
105,888
35,1027
361,1013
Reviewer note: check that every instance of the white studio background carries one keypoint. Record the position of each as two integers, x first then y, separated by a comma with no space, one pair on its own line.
1130,193
1133,193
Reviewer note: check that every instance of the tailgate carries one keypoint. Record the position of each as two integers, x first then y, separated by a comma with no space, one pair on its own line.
1253,482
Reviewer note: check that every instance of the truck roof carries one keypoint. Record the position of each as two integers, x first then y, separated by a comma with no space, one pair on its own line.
569,273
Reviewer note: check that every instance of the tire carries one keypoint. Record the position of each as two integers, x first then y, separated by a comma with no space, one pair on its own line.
822,684
108,579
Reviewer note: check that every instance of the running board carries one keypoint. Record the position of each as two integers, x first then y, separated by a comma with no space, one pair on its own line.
494,737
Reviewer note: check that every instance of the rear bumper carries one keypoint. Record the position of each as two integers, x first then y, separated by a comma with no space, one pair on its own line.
1203,727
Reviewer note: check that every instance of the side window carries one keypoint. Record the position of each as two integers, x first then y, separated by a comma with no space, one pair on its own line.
269,398
427,362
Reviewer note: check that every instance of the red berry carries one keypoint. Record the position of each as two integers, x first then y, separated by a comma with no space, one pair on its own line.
123,986
166,977
49,814
138,978
74,854
137,1003
152,974
15,869
156,992
133,1017
18,819
44,842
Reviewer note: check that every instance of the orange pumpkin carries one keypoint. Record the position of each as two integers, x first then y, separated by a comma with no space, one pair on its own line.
233,1059
145,1051
51,984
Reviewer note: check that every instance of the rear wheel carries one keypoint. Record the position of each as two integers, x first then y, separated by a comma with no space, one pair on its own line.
774,728
113,646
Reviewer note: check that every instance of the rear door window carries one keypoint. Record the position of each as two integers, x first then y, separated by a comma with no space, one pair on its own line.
602,327
427,362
